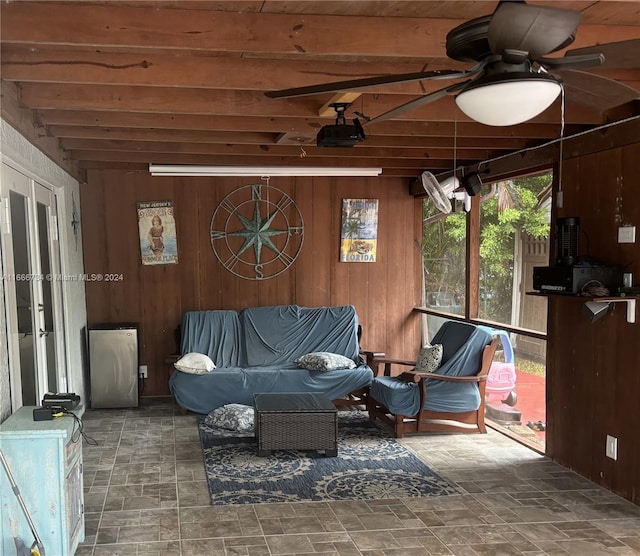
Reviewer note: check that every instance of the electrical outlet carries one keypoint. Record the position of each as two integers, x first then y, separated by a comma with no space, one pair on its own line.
142,371
611,449
627,234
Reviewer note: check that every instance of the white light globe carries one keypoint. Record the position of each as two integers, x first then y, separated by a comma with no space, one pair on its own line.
508,99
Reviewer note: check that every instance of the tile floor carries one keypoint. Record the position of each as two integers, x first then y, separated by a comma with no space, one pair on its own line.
146,494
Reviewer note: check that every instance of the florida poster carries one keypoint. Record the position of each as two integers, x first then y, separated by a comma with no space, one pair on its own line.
359,234
157,228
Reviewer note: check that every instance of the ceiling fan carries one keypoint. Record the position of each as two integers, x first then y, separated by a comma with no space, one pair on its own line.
511,79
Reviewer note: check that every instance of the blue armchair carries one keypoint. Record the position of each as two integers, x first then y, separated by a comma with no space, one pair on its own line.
450,399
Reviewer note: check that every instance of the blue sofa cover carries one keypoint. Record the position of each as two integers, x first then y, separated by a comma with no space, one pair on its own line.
254,351
462,355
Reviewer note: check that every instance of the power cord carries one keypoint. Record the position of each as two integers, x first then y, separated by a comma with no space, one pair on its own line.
594,288
77,426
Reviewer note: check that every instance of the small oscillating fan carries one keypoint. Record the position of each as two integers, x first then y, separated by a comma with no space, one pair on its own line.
442,193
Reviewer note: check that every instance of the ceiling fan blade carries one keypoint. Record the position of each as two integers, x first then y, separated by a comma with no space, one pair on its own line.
596,92
367,82
620,55
536,30
573,62
418,102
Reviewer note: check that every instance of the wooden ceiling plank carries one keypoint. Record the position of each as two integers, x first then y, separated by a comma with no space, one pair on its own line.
243,137
26,64
150,27
361,151
22,120
119,26
149,120
202,101
252,160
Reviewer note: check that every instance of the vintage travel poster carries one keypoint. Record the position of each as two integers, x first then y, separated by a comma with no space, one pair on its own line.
359,234
157,227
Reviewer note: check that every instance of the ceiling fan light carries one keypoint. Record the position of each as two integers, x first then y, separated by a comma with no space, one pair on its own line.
508,99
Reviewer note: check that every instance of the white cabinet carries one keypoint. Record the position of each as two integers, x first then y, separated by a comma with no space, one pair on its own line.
45,458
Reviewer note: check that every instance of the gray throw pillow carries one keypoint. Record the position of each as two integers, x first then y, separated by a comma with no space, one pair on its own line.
232,417
429,359
324,361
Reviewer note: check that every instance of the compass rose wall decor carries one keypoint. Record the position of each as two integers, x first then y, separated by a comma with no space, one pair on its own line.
257,232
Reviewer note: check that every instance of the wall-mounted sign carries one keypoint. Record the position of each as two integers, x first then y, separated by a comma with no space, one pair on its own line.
359,233
157,228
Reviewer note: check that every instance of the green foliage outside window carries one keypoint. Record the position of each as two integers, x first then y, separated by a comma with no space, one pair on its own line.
507,208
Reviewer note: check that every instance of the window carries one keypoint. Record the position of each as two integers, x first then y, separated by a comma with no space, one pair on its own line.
513,236
444,254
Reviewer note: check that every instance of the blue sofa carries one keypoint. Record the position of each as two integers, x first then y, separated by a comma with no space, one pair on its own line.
254,351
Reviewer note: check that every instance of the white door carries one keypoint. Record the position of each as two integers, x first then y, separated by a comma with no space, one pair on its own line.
33,300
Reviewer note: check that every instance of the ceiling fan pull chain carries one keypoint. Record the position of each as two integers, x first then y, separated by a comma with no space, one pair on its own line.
455,140
561,156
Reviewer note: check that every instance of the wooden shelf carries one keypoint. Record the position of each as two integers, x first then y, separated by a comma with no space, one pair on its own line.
630,301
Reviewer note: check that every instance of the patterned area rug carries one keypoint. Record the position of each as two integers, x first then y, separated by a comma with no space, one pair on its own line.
371,464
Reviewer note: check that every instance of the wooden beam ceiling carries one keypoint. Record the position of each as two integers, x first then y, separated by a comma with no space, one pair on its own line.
121,84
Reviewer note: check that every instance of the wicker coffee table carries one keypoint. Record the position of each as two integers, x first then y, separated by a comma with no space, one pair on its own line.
295,421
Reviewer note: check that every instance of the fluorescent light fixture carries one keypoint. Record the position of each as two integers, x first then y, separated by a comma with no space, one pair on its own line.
508,98
259,171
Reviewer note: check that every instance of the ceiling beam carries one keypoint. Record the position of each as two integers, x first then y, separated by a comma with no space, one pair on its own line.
415,166
28,64
219,122
359,151
116,26
241,103
245,137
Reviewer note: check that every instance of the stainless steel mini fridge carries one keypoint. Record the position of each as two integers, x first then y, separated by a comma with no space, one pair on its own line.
113,365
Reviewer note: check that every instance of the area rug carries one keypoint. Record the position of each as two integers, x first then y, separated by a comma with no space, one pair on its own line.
371,464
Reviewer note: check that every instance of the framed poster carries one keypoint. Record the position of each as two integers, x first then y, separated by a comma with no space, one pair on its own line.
157,229
359,232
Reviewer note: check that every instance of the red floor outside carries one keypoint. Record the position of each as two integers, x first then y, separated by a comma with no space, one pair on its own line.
530,390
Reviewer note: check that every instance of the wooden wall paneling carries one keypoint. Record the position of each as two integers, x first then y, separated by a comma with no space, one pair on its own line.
404,277
316,249
121,251
358,273
209,192
156,296
622,415
191,247
566,377
281,289
601,221
375,323
400,294
120,255
593,378
629,208
400,246
221,288
602,394
94,229
339,276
